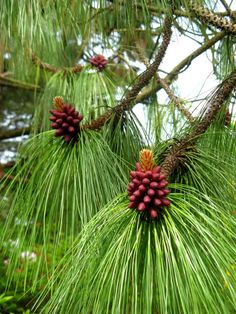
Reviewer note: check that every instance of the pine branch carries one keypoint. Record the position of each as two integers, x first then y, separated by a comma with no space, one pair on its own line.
215,105
103,119
157,11
6,81
50,68
143,80
230,13
14,133
209,17
178,150
179,67
178,102
181,13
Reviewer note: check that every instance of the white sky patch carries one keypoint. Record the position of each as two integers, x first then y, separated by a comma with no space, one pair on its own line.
198,79
194,84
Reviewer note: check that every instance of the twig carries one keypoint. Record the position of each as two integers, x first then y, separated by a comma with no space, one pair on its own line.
14,133
215,105
178,102
178,150
100,121
143,80
146,76
209,17
227,8
53,69
180,13
183,64
6,81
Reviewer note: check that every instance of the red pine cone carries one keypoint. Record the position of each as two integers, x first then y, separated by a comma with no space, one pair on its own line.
147,191
99,61
66,121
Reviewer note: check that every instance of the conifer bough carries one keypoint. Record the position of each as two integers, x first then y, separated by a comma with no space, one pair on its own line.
147,191
210,18
178,150
142,81
66,120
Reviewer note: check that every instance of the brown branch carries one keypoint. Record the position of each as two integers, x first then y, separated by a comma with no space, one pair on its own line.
103,119
178,12
14,133
178,150
209,17
184,63
178,102
143,80
155,11
215,105
227,7
53,69
6,81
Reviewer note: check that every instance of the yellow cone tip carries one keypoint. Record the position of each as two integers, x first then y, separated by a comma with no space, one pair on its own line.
146,159
58,102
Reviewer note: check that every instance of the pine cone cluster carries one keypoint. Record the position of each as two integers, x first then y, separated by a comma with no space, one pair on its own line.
99,61
147,191
66,120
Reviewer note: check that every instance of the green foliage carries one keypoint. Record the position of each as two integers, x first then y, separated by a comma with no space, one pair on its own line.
12,301
4,299
69,234
123,264
126,136
91,92
57,189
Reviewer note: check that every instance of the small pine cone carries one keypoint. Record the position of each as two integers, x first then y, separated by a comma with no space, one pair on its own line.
66,121
99,61
147,191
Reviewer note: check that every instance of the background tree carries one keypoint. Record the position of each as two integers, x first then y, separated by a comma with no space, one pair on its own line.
90,63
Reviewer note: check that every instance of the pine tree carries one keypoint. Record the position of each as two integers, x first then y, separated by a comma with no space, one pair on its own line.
122,216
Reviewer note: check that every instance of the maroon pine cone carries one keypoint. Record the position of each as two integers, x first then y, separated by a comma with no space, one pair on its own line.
99,61
66,121
147,191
